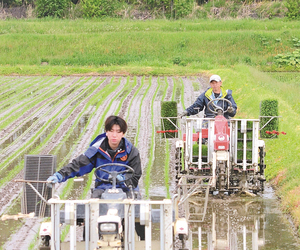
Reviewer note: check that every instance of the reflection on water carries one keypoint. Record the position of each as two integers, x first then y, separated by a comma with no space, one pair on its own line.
240,223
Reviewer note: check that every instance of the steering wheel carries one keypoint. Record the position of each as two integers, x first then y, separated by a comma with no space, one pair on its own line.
216,107
129,171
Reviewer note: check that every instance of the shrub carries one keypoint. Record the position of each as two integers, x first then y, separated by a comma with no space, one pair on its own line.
98,8
169,109
177,60
293,9
288,59
268,109
174,9
51,8
182,8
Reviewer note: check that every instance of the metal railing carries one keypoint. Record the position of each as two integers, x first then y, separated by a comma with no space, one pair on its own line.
237,126
92,211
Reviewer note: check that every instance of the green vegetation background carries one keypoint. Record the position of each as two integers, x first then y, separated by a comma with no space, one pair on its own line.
155,9
257,59
146,47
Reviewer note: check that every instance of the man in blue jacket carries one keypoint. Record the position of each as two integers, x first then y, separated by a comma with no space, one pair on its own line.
109,147
215,91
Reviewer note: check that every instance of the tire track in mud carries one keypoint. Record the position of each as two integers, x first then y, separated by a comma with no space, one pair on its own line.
153,185
125,107
133,105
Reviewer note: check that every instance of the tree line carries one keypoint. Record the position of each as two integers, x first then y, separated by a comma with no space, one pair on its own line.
172,9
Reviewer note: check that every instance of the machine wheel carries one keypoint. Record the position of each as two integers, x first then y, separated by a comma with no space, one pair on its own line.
178,165
182,238
45,242
262,166
222,177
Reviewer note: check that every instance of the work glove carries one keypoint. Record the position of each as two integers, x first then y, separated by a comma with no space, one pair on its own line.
184,113
120,177
230,110
55,178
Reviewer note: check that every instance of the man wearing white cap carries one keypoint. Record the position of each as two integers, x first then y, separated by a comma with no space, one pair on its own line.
215,91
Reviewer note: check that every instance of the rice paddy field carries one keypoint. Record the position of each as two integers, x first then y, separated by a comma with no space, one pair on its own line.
60,79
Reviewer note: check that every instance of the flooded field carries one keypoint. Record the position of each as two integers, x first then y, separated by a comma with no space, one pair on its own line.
236,223
61,115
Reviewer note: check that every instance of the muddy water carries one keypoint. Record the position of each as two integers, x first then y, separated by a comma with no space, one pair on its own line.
235,223
8,227
157,185
247,223
241,223
67,148
68,145
17,133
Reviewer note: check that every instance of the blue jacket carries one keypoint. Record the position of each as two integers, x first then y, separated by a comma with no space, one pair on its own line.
206,97
98,154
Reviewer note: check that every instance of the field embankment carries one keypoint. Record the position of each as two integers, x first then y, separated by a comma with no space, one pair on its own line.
152,47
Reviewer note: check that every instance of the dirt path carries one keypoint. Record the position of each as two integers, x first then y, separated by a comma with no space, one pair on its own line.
136,107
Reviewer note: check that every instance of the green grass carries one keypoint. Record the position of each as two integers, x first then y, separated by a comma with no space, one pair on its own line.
81,46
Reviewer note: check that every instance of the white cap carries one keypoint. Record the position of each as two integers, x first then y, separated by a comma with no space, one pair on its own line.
215,78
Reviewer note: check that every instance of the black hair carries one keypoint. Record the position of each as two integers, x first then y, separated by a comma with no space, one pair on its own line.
115,120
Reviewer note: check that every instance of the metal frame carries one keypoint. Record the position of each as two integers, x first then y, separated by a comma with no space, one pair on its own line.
234,142
92,213
271,118
37,168
239,137
195,124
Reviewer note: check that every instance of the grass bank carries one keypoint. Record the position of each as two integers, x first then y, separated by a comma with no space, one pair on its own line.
152,47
